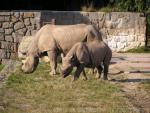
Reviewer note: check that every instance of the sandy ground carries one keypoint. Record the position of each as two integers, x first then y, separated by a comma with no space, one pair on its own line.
129,71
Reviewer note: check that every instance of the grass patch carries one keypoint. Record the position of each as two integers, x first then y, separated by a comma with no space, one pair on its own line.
146,86
1,66
139,50
40,93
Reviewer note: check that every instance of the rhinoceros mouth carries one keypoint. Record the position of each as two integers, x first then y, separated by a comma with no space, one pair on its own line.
65,74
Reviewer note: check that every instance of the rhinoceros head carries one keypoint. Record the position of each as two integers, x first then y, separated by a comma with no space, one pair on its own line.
67,66
30,64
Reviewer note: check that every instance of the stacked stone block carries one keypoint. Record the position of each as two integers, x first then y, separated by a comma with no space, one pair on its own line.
13,26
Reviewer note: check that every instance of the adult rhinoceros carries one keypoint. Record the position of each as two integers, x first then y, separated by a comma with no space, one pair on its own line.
56,39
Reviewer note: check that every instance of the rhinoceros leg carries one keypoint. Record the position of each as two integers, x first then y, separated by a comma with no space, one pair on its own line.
53,61
99,68
78,72
105,71
84,75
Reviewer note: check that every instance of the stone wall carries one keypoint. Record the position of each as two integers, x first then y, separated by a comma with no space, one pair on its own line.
121,30
13,26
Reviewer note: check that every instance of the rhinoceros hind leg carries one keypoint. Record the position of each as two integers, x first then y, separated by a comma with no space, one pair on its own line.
84,77
99,68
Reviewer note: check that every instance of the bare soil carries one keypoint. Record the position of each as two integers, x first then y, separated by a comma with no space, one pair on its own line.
130,71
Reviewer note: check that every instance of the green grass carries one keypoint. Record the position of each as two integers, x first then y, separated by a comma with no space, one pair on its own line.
40,93
139,50
1,66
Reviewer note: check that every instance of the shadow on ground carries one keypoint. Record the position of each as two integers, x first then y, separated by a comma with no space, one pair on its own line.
131,80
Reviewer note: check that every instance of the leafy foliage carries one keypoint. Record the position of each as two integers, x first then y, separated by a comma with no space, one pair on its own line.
119,5
132,5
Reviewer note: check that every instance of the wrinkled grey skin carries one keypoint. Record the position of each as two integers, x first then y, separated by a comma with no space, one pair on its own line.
90,55
56,39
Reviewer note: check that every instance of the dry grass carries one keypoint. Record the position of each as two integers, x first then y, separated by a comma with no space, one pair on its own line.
40,93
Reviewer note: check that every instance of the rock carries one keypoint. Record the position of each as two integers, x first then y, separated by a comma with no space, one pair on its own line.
141,38
2,37
17,14
123,39
7,18
114,16
14,19
33,21
6,45
4,13
28,14
1,30
28,33
130,38
31,27
2,18
27,21
117,39
8,31
132,31
2,53
21,31
120,45
7,25
8,55
17,37
18,25
38,26
9,38
114,45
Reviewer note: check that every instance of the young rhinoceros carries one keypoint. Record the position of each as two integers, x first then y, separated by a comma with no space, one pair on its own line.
90,55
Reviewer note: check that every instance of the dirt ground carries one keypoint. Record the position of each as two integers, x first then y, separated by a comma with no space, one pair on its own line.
130,71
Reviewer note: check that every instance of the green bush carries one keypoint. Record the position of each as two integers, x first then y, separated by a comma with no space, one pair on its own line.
117,5
133,5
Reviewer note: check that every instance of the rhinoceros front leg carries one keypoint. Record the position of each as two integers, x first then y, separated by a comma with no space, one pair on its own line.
78,72
84,75
53,62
